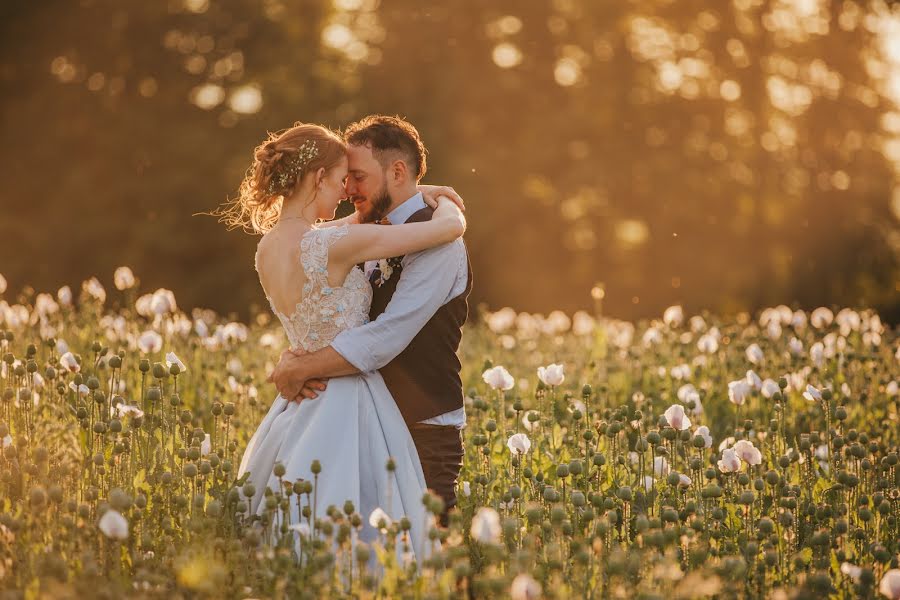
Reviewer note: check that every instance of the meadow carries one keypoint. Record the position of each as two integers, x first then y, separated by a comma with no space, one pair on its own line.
688,456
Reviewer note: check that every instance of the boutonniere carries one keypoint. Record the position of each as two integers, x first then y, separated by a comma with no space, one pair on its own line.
386,268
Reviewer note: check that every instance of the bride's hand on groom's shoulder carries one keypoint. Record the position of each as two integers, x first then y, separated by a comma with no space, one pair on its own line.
431,193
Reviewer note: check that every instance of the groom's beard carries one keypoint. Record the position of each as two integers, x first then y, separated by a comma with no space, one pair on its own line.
380,203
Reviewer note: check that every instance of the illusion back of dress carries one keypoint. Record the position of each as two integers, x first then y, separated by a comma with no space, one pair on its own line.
324,311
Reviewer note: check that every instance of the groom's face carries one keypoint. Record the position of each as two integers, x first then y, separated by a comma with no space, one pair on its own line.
367,185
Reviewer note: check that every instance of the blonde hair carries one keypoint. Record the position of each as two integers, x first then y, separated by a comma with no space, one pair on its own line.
276,172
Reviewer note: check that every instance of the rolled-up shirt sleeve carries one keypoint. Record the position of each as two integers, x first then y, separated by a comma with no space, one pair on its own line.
425,284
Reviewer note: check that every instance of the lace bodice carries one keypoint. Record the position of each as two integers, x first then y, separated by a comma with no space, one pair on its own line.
324,311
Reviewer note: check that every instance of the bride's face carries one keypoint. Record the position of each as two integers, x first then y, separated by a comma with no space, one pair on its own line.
331,190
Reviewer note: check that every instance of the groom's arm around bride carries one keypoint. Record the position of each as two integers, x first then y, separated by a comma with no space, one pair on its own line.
419,305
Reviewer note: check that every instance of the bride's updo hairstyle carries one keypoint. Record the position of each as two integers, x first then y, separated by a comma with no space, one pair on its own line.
279,166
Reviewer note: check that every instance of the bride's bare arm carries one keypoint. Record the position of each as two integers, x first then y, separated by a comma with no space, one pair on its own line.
351,219
372,242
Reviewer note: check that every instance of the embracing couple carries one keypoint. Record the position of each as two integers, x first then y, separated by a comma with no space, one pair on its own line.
374,317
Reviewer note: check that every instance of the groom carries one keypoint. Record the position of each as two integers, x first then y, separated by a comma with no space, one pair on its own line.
419,305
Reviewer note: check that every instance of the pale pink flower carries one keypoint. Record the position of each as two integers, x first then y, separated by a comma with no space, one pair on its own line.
676,418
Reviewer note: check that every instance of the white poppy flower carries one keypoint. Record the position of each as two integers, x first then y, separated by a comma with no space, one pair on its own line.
812,394
301,528
769,388
730,462
817,354
64,295
648,482
684,480
753,380
673,316
114,525
651,336
583,324
82,390
498,378
69,363
466,489
502,320
726,443
205,445
738,391
150,342
45,305
162,302
703,431
551,375
755,354
377,517
124,279
892,388
676,418
890,584
795,346
660,466
524,587
682,371
518,443
684,390
707,344
851,571
698,324
123,409
94,289
486,526
821,317
748,452
172,359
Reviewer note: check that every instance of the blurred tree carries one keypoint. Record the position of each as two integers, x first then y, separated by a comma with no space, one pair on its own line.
722,155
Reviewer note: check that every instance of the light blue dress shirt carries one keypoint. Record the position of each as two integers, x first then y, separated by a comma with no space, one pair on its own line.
429,279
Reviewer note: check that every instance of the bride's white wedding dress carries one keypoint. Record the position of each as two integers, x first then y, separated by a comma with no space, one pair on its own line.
352,428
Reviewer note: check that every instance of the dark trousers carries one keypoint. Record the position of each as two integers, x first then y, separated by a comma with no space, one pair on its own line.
441,454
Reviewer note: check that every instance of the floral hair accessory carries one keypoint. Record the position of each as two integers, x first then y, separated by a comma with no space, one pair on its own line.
281,181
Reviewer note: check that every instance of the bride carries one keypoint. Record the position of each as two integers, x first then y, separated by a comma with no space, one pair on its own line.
308,272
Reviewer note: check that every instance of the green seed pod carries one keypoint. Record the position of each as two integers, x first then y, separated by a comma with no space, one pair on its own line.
159,371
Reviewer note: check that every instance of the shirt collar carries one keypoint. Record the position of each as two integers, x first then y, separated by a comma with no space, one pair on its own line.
407,209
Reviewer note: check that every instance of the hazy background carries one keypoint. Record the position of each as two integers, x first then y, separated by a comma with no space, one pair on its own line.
725,154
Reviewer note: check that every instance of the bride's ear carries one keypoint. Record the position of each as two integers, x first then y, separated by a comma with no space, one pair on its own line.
320,175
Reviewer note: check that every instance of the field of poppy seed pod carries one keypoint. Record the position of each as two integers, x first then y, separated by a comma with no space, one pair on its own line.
684,457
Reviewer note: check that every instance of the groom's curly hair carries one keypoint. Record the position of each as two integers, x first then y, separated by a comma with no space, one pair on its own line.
389,138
